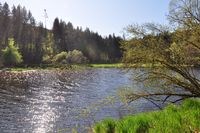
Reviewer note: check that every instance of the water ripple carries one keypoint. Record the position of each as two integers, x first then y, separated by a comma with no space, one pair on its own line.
52,101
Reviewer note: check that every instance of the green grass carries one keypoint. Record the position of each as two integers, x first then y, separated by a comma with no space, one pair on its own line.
63,67
173,119
117,65
80,66
46,67
19,69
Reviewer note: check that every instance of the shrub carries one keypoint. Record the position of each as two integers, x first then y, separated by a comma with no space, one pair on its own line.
76,56
60,58
11,55
46,59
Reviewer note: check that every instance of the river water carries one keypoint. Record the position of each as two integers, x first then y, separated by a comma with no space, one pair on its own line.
58,101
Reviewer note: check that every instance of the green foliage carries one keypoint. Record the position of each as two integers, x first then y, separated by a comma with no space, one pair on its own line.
46,59
128,125
92,45
183,118
11,55
60,58
48,49
76,57
38,45
107,126
72,57
169,53
117,65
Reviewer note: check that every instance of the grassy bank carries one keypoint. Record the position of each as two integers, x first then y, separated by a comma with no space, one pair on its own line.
45,67
80,66
173,119
62,67
116,65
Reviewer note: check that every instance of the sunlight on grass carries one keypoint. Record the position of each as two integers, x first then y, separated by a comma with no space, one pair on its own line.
117,65
183,118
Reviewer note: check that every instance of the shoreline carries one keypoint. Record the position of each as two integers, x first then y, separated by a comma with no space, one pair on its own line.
61,67
81,66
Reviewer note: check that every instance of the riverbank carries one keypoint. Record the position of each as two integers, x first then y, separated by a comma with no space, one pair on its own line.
61,67
43,67
114,65
74,66
183,118
79,66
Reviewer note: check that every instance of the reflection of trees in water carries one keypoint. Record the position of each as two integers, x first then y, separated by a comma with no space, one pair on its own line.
10,79
20,82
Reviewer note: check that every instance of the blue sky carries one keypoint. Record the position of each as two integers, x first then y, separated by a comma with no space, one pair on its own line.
104,16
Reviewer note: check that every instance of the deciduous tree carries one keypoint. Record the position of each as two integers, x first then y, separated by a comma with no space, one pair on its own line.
11,55
169,55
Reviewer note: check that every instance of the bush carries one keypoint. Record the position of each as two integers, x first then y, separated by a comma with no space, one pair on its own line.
46,59
11,55
74,56
60,58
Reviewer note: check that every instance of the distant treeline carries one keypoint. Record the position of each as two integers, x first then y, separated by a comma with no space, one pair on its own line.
38,44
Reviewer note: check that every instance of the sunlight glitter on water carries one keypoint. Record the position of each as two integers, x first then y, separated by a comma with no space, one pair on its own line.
51,101
44,119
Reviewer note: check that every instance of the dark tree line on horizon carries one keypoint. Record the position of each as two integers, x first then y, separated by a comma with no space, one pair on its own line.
95,47
35,42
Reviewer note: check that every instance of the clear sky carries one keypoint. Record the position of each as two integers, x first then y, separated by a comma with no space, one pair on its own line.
104,16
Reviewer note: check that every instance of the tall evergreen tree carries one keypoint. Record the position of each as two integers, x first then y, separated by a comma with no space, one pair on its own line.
5,25
57,34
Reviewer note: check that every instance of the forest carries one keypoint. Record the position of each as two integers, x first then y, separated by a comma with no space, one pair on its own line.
34,44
